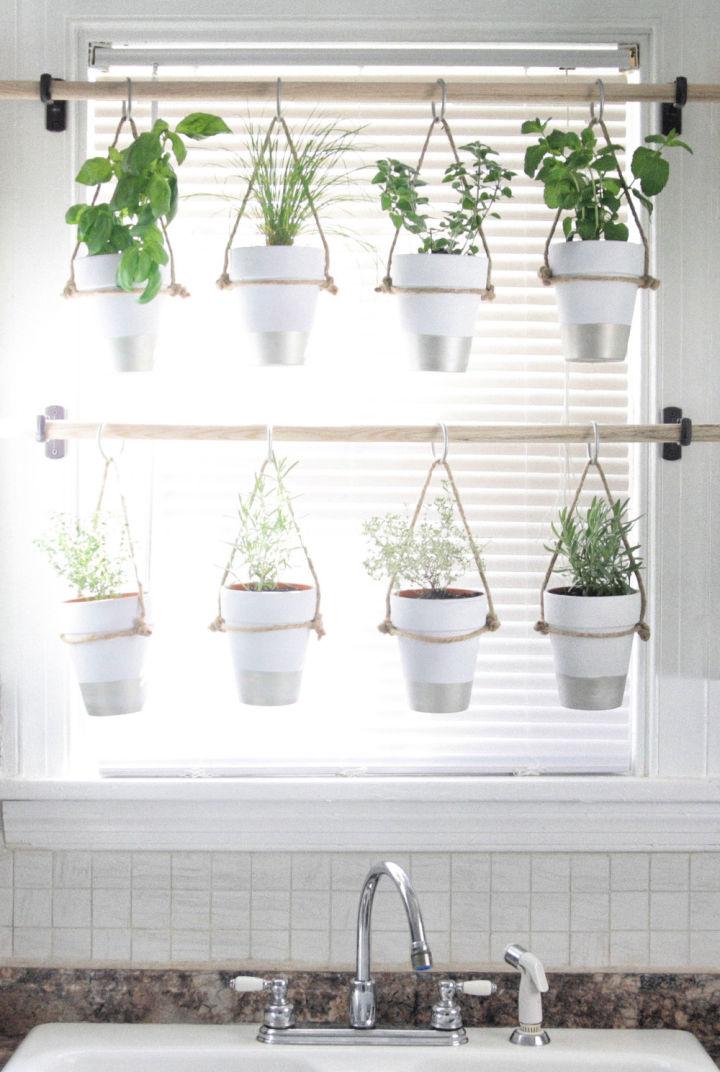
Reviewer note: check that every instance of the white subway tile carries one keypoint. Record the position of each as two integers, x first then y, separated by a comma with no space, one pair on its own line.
343,910
71,908
229,946
270,948
33,869
509,912
589,912
471,912
191,870
342,949
7,901
311,871
470,872
309,948
111,908
7,860
269,910
32,943
705,871
71,944
391,949
704,911
151,909
669,911
589,872
310,910
72,870
430,871
190,910
231,870
150,946
705,950
111,944
550,872
629,949
270,871
348,870
6,942
669,871
553,948
151,871
630,871
469,949
550,912
629,910
589,949
33,907
500,940
111,870
510,872
230,909
669,949
189,946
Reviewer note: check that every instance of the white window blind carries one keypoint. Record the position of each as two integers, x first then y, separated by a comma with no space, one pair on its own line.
353,717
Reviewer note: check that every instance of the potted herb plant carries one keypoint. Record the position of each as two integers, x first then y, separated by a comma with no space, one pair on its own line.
126,237
440,326
600,599
268,661
93,558
429,558
278,316
580,175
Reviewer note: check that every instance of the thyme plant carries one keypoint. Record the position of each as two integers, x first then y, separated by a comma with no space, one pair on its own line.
91,555
134,220
596,558
431,556
267,538
480,182
580,174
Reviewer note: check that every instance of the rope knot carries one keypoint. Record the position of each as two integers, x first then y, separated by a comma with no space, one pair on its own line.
318,626
643,630
492,623
142,628
177,290
488,294
542,627
70,289
329,285
649,282
223,281
545,275
386,287
386,627
217,625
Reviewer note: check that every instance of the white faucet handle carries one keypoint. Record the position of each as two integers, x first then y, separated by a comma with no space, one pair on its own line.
477,988
247,984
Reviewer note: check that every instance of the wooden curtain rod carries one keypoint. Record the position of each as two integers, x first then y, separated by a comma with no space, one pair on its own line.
465,90
384,433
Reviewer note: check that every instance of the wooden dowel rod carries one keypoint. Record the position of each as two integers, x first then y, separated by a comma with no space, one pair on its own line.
393,433
465,90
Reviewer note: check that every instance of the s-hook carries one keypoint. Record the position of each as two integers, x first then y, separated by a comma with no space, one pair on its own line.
445,443
106,457
601,99
593,448
127,103
278,99
270,447
443,101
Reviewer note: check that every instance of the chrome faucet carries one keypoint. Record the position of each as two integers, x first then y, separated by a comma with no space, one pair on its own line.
362,988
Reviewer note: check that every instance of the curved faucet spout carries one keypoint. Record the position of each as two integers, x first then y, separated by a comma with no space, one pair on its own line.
362,993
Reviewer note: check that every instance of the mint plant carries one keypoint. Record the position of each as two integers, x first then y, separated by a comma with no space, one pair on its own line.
91,555
267,538
580,175
431,556
135,219
479,182
597,560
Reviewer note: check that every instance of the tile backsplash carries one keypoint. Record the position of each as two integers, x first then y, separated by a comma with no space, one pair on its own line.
581,910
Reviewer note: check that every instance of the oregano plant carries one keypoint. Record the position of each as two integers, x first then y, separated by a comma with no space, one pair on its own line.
133,222
592,545
580,175
92,554
479,182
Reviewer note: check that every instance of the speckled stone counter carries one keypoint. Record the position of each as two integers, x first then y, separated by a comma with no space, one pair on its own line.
30,996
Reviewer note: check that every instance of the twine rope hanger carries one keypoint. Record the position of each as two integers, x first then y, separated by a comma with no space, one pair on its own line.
140,626
487,293
218,624
174,289
327,283
645,281
492,622
641,627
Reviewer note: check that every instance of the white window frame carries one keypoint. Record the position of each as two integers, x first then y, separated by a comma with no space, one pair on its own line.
676,803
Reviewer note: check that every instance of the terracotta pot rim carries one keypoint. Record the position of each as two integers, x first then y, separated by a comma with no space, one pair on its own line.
102,599
459,593
565,591
282,589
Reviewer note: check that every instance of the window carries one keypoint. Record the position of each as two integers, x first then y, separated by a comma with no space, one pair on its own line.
353,718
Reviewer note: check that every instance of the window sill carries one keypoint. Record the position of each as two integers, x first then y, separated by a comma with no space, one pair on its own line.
547,814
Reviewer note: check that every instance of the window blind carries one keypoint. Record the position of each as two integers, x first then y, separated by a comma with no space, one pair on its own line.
353,718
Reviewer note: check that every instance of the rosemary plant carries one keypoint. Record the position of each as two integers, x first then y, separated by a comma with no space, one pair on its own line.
596,559
431,556
92,555
267,538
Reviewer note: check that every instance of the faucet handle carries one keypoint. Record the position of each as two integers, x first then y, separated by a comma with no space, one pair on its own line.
447,1014
247,984
477,988
279,1013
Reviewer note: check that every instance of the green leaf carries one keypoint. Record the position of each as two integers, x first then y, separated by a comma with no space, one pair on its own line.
120,238
533,157
95,171
649,167
644,201
159,127
178,146
199,125
95,228
534,126
74,213
145,150
154,283
127,192
159,194
616,232
127,269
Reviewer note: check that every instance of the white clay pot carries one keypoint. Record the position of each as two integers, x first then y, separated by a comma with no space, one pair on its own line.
278,318
131,329
595,318
591,672
439,327
268,665
439,677
109,672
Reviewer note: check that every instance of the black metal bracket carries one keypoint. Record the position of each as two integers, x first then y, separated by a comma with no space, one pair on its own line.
54,448
671,113
55,110
672,452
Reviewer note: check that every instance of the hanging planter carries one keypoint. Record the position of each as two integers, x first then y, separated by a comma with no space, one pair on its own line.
592,621
129,262
597,276
105,629
268,621
278,284
437,624
440,287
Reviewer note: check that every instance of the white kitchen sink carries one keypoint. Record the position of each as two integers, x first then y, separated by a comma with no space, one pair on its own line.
190,1048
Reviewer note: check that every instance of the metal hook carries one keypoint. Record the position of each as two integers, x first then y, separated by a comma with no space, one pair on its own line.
127,104
106,457
445,443
270,448
593,448
443,100
278,99
601,97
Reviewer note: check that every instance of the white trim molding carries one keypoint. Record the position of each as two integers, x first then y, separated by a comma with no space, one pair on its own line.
368,814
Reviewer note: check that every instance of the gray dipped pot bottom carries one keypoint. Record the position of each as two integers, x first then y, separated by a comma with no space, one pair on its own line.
439,353
113,697
265,688
595,343
133,353
591,693
278,347
433,698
